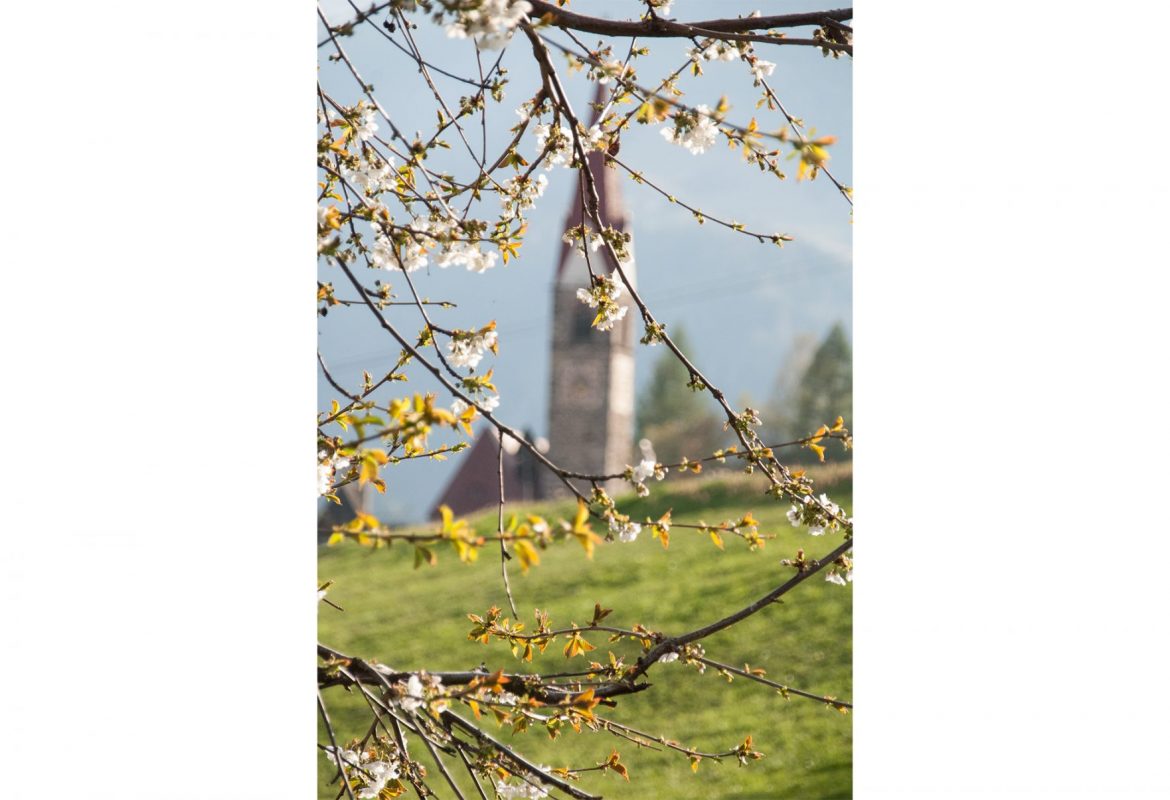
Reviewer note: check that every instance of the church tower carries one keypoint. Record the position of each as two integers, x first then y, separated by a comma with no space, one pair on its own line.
591,402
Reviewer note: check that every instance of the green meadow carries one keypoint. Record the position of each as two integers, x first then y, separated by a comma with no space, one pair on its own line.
413,618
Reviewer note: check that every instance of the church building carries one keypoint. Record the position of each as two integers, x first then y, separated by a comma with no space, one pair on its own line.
591,393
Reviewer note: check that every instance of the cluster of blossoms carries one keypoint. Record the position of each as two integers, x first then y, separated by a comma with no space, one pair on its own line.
646,468
559,144
603,73
328,465
488,403
621,527
593,139
603,296
502,698
820,517
520,791
362,764
489,22
467,254
415,690
409,249
370,173
581,235
718,50
838,577
694,130
364,126
408,256
521,192
467,348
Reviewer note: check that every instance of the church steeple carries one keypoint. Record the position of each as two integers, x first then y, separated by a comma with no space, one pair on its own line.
610,207
591,406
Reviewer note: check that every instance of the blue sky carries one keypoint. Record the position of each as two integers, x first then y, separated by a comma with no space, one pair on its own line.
741,302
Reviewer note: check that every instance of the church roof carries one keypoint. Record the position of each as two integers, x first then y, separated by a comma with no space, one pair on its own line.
476,482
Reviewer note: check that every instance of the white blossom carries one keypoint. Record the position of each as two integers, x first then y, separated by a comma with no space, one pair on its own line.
351,758
694,130
379,773
413,255
491,23
468,254
625,530
835,577
794,516
821,515
413,699
592,139
375,774
761,69
490,403
505,699
603,296
608,321
520,791
518,193
645,469
667,658
467,349
371,174
718,50
560,145
327,468
365,128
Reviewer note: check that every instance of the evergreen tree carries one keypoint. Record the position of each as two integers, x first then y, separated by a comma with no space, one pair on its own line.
826,390
677,421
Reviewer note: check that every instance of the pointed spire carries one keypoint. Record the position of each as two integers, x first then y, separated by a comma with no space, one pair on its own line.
610,207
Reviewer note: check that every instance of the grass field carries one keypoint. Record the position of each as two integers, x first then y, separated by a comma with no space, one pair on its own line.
411,619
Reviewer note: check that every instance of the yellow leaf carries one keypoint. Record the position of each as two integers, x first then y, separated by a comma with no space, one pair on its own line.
717,539
369,471
820,451
527,554
582,515
335,538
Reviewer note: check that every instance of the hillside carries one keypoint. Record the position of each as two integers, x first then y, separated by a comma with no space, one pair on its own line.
804,641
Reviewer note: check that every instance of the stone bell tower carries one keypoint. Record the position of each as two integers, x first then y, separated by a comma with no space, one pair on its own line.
591,405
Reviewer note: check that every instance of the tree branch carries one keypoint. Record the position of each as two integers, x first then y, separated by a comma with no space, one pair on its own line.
659,28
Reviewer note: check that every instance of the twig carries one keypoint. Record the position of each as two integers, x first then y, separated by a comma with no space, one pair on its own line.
504,555
336,749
